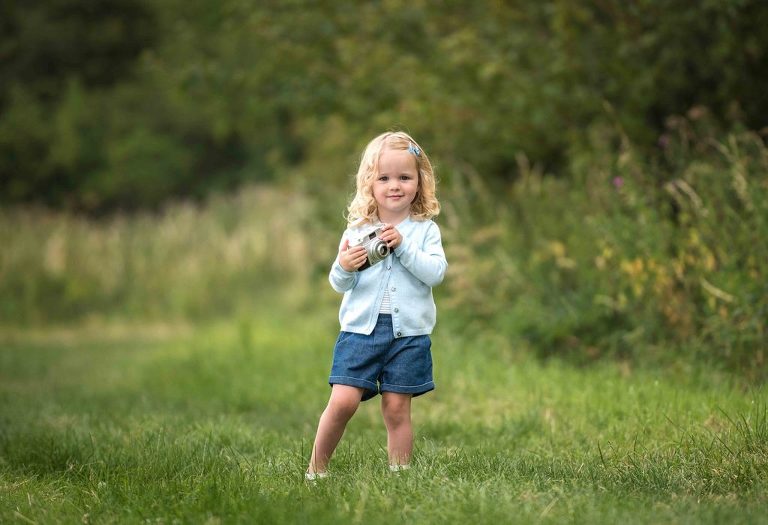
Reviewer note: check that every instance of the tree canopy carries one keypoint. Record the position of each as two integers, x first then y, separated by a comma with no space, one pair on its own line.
127,103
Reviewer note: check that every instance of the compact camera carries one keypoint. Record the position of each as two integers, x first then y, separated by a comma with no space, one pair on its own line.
376,248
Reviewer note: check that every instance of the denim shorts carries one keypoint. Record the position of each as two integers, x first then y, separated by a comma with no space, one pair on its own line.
379,362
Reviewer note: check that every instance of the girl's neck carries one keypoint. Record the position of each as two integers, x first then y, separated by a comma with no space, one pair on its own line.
394,219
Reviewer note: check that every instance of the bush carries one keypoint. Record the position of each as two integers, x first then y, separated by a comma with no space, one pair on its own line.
632,258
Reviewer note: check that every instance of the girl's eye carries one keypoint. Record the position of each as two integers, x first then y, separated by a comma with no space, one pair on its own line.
383,178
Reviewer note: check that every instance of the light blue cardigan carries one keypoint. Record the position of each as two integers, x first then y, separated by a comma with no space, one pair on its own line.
410,272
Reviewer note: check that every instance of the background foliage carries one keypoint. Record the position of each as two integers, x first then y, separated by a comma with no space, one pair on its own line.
603,165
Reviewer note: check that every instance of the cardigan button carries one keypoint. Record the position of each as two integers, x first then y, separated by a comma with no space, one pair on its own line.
397,310
399,334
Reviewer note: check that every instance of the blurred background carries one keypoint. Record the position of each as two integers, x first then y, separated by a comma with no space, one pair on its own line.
602,164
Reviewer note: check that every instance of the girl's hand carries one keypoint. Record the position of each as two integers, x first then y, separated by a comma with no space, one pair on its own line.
391,236
353,258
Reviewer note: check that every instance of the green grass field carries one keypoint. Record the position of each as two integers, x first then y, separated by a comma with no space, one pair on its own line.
106,422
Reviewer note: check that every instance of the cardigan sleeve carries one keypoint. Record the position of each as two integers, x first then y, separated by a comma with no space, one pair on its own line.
342,280
427,263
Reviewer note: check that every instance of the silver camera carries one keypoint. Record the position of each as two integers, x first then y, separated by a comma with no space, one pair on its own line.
376,248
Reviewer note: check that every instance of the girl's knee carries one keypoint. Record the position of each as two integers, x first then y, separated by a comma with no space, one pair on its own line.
396,409
344,402
342,409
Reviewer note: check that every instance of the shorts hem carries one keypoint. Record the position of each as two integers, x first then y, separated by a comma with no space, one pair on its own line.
416,390
353,381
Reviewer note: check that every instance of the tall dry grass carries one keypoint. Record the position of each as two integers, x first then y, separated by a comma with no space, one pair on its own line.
189,261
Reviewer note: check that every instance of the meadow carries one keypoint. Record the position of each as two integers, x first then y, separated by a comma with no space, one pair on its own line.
599,355
172,180
213,423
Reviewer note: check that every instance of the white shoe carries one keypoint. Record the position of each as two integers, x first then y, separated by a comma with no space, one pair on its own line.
314,476
399,468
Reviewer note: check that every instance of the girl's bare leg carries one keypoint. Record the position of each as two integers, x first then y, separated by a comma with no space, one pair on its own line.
396,409
341,406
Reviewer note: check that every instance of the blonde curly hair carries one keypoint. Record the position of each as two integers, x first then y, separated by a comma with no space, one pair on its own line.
363,206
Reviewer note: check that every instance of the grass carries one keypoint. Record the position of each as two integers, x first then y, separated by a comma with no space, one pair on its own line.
107,422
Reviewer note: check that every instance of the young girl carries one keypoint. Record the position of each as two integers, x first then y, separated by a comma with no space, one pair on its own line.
387,312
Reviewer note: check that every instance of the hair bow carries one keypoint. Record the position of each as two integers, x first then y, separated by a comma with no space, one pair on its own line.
412,148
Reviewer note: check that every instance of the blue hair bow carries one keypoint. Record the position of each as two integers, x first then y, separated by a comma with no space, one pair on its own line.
413,148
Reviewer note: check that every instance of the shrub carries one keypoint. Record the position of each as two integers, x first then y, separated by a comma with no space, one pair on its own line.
630,257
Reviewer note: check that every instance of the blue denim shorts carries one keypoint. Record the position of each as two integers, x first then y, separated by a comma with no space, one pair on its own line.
379,362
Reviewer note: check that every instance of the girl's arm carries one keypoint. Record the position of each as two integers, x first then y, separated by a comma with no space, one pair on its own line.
342,280
427,264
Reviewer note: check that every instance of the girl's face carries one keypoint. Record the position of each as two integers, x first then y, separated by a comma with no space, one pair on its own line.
395,187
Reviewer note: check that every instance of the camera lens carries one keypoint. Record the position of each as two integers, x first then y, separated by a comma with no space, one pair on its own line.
382,250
